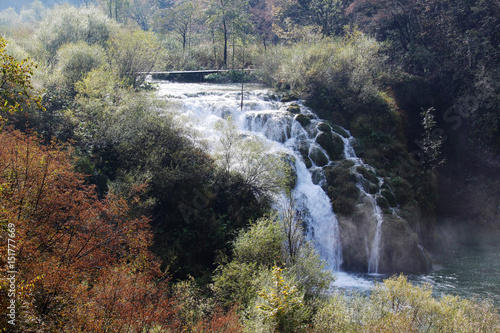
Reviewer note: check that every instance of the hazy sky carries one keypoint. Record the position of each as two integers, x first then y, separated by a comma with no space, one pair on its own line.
18,4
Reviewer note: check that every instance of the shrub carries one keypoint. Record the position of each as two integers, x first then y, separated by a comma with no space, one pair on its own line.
398,306
74,61
131,52
66,24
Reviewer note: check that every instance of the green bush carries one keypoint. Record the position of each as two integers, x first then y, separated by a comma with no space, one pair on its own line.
131,52
66,24
398,306
75,60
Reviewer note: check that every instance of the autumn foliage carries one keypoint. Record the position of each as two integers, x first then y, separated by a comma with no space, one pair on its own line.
83,263
16,89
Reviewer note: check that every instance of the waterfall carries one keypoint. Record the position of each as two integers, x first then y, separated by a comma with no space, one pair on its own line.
200,106
373,252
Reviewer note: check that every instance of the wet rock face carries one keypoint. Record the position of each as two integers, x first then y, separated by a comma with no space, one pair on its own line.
294,108
332,144
357,231
318,156
303,119
399,249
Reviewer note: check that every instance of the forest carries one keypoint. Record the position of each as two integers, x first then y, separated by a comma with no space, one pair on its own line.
116,218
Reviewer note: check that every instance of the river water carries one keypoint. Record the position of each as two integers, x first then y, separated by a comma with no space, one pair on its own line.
466,261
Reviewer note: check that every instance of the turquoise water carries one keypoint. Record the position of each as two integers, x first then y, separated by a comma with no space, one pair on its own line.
466,262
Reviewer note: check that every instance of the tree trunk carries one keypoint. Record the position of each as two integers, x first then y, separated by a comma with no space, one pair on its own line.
224,64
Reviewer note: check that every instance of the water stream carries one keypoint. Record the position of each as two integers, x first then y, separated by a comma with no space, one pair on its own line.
201,106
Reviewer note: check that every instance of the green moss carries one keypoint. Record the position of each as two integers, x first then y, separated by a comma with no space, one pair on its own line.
344,206
403,190
324,127
303,119
332,144
337,175
288,97
345,164
390,197
372,188
368,174
318,157
294,108
384,204
350,190
385,185
339,130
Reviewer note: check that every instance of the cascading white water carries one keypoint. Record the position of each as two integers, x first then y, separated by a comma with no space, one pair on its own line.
201,106
373,252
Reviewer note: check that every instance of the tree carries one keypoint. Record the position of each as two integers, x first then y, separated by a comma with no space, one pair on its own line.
265,171
16,89
179,18
142,12
227,17
325,13
63,232
132,52
282,304
66,24
74,61
262,17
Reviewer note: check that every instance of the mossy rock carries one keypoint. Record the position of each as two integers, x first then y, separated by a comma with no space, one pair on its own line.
289,97
403,190
338,175
294,108
332,144
390,197
383,204
324,127
385,185
339,130
307,161
303,119
345,164
318,156
399,249
368,174
349,190
344,205
372,188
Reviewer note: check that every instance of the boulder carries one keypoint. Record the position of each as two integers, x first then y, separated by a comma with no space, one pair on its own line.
332,144
303,119
318,156
399,248
294,108
289,97
339,130
390,197
324,127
